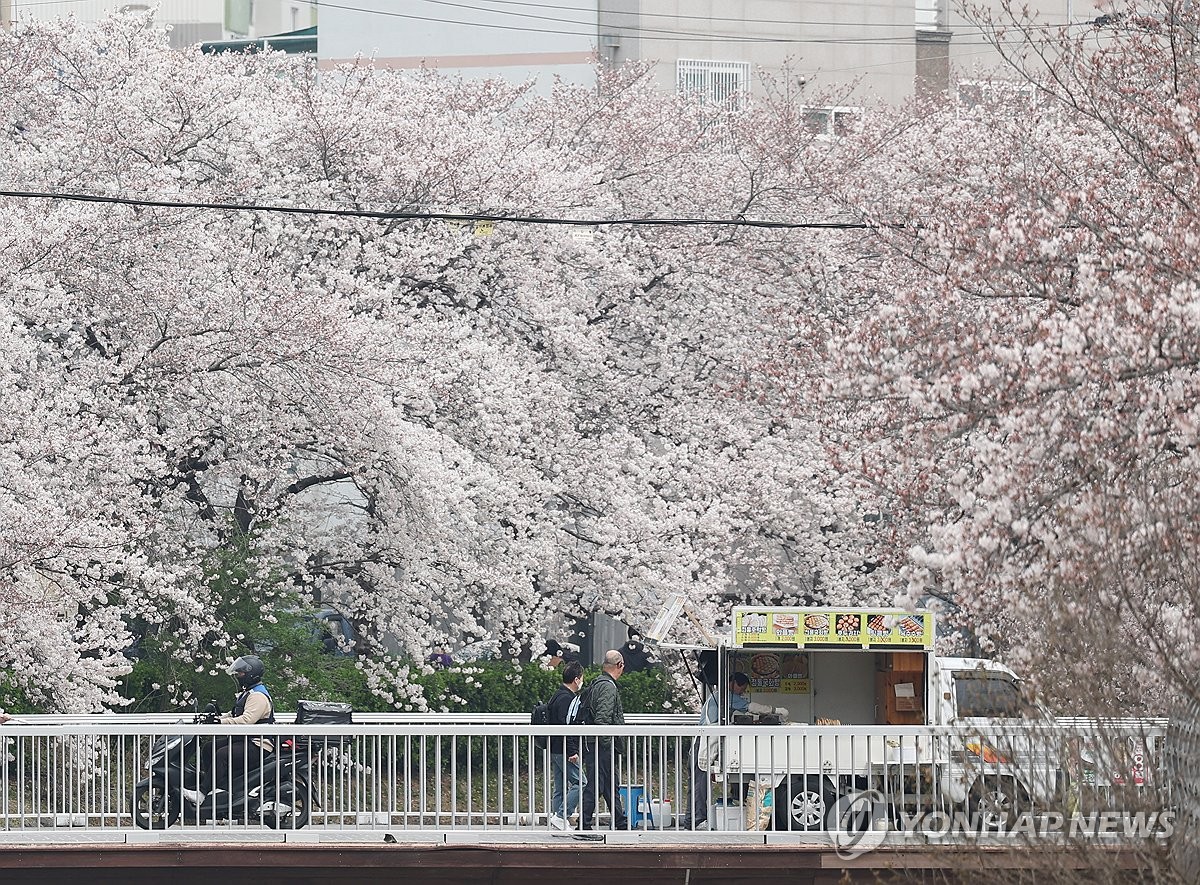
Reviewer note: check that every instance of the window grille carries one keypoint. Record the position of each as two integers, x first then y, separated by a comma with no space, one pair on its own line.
714,82
928,15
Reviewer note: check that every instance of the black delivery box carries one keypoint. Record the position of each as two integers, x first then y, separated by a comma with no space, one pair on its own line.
323,713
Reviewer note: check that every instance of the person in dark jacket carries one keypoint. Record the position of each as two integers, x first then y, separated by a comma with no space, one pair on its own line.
565,762
557,654
635,654
607,712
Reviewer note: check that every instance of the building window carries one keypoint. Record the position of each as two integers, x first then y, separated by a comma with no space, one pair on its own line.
992,93
928,13
239,16
832,122
725,83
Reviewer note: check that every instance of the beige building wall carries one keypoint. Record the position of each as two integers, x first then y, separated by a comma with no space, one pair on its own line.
507,41
282,16
853,52
970,55
866,46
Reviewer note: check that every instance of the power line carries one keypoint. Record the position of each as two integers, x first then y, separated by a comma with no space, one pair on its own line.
898,41
641,33
463,217
649,34
905,31
715,18
639,30
851,69
592,31
18,5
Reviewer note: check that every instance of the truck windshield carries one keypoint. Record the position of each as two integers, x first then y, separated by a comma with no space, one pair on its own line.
990,697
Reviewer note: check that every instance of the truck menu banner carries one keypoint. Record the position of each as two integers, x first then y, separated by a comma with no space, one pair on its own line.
771,672
857,628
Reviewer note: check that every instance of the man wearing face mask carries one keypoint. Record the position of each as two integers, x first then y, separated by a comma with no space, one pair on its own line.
565,763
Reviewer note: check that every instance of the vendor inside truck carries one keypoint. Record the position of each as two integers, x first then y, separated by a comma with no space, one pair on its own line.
819,687
739,699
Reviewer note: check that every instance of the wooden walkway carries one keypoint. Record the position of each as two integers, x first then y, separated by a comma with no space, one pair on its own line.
564,862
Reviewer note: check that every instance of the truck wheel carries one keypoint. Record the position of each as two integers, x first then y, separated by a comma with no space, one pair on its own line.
996,800
852,813
802,803
153,807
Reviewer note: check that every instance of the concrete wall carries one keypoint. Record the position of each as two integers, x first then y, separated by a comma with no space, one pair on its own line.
840,52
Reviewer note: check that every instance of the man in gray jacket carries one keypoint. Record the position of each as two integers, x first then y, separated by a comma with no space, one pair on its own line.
604,699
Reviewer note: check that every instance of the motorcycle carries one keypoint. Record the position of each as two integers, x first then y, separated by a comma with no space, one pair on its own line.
269,787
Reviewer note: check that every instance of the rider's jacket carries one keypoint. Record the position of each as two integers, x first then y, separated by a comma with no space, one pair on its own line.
254,698
239,706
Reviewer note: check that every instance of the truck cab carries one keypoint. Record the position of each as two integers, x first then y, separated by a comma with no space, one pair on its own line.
975,691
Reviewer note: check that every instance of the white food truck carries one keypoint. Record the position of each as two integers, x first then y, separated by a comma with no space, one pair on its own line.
841,683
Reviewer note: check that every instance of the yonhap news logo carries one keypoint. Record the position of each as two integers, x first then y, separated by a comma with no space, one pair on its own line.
861,823
858,824
1027,824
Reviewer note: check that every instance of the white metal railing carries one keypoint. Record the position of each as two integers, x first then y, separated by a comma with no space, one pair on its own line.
1086,778
158,719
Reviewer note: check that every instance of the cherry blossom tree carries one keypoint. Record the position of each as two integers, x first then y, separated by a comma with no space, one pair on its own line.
1023,394
453,430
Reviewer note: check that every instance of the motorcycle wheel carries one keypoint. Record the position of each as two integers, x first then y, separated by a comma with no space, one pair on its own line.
296,815
154,808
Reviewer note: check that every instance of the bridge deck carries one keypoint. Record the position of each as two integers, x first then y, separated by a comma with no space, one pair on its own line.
117,858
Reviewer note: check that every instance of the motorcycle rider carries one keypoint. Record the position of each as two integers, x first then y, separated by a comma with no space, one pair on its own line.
253,704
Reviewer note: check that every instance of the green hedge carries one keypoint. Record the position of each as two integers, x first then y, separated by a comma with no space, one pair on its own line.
318,678
502,687
481,687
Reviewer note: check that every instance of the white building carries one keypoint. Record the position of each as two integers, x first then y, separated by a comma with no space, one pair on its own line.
191,21
862,51
857,52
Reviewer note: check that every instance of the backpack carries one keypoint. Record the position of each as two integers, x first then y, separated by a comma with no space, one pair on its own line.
580,712
540,716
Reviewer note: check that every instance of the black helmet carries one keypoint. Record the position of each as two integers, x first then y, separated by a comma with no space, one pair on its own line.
248,671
